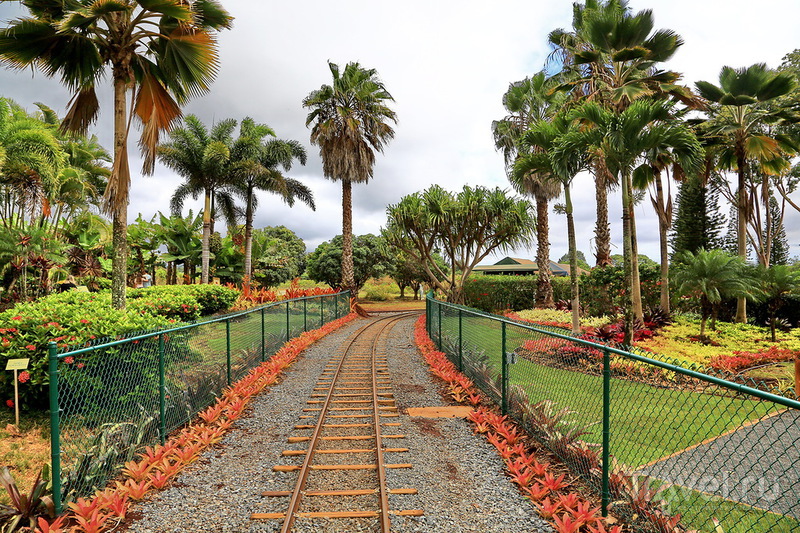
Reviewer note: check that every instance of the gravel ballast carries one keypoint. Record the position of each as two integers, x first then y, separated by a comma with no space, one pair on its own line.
459,476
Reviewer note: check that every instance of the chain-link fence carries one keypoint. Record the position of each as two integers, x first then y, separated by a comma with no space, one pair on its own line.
667,447
111,399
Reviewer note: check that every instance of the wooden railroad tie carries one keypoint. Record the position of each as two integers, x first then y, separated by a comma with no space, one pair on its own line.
358,492
340,514
295,468
294,453
348,437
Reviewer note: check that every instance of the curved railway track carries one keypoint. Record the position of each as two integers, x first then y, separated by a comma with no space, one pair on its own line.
350,414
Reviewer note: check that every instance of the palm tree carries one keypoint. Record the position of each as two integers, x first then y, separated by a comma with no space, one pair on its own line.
179,234
624,138
647,174
529,101
202,158
547,158
164,52
777,282
742,97
350,120
711,276
31,159
254,166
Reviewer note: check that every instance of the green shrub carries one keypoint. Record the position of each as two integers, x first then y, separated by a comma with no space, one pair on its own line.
378,293
211,299
69,319
495,293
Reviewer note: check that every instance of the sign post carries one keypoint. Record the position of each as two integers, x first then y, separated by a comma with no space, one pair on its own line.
16,365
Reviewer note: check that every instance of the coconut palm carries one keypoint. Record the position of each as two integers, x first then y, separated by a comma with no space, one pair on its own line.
742,97
201,157
712,276
529,101
255,166
546,158
350,120
163,52
623,139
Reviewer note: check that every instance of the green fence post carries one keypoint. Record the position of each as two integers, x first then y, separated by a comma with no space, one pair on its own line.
503,371
263,337
460,356
288,331
162,408
321,311
428,315
55,430
439,334
305,314
606,494
228,347
336,306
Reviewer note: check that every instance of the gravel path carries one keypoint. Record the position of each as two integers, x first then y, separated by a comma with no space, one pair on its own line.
459,476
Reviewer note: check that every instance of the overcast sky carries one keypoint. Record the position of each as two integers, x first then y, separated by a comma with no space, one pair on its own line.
447,64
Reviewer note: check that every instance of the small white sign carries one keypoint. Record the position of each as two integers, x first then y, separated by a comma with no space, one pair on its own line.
17,364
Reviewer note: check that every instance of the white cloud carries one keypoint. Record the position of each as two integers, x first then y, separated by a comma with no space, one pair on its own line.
447,63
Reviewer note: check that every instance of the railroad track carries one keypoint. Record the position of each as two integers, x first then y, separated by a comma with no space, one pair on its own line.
350,414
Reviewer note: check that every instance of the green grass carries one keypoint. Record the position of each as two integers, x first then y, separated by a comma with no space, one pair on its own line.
698,511
647,422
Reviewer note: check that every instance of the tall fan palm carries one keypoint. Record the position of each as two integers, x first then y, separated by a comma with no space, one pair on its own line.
201,157
163,51
624,138
529,101
255,166
610,57
742,97
350,121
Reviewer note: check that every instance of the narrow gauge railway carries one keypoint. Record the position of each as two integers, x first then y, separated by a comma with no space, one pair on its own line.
349,429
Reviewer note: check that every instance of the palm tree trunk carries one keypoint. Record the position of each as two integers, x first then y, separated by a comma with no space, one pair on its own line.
248,237
544,286
627,253
119,225
348,275
602,230
741,236
636,287
573,264
206,253
663,227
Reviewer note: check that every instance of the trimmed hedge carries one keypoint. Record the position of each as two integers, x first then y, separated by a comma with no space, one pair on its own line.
74,318
210,299
492,293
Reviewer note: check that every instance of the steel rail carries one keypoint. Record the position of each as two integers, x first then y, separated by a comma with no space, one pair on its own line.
305,469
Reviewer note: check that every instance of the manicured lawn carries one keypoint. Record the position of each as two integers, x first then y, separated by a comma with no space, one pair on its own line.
647,422
698,511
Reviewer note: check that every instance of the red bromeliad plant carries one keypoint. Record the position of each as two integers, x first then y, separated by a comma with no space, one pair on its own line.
569,512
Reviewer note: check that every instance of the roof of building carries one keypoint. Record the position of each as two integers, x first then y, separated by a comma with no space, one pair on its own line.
519,266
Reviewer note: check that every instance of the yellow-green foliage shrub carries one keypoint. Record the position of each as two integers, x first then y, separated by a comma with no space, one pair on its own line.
563,318
678,340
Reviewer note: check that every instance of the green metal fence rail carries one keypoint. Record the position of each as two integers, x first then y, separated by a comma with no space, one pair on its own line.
663,445
108,401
